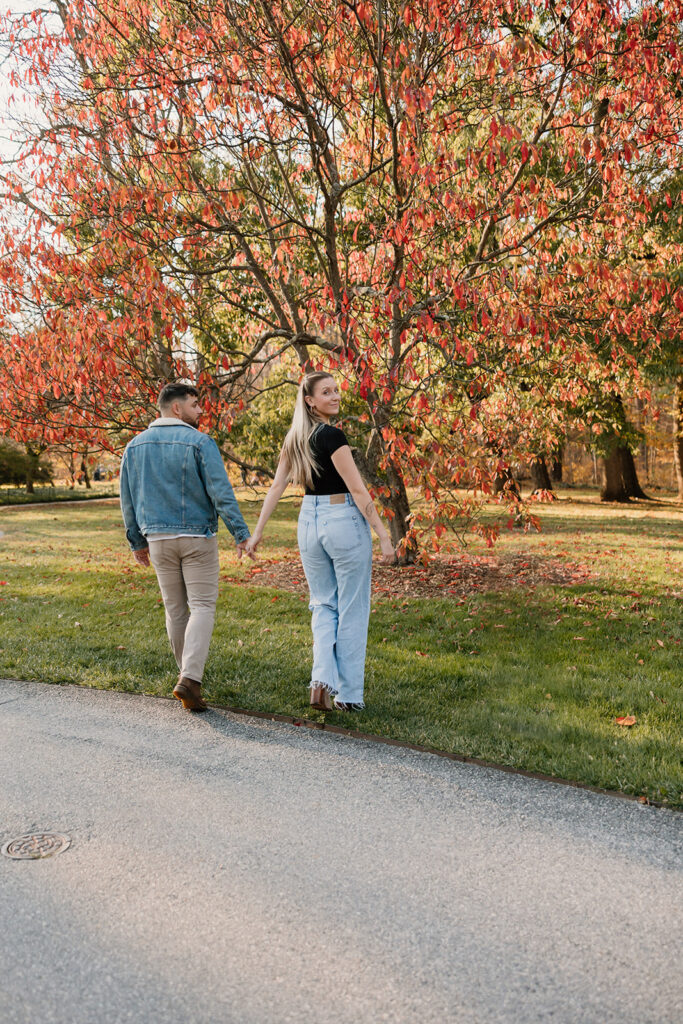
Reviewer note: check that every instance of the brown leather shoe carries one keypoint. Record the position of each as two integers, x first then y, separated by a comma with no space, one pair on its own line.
189,693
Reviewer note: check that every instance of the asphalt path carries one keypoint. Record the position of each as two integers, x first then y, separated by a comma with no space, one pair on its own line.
225,869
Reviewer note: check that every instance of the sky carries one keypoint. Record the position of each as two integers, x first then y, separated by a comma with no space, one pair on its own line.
20,106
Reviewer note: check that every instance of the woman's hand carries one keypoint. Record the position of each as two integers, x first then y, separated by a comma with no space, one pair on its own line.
388,551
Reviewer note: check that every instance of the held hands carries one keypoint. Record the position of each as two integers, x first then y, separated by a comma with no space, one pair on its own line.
251,544
248,547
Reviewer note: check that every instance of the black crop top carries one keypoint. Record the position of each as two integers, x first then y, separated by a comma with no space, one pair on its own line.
325,441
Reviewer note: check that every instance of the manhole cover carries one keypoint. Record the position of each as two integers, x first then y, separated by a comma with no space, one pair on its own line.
36,845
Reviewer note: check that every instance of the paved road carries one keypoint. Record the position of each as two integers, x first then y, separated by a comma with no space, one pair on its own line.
228,870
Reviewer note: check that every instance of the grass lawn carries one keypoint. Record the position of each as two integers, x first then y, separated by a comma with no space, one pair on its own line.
509,665
20,496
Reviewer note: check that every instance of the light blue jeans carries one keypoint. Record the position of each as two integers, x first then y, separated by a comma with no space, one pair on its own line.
336,552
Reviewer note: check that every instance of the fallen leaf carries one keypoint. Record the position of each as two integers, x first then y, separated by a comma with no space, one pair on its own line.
661,643
626,720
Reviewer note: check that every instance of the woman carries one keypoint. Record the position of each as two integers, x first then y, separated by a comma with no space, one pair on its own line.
334,541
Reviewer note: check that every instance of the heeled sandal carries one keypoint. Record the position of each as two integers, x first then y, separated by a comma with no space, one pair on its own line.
321,697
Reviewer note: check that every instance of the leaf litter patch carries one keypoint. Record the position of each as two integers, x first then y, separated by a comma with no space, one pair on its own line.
457,577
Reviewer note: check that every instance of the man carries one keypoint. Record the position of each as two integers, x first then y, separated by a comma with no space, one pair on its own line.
173,488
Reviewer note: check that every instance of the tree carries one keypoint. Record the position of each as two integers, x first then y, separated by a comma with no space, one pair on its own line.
22,467
678,435
437,200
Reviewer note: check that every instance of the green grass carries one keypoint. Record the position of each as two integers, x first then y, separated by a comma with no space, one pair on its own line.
40,495
500,675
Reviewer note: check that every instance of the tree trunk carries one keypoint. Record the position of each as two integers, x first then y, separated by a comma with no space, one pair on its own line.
86,478
643,449
678,435
398,505
556,465
613,487
505,481
395,503
630,477
620,481
32,466
620,477
540,477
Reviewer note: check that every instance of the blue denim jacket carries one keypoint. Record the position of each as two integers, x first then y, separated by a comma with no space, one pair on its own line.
173,481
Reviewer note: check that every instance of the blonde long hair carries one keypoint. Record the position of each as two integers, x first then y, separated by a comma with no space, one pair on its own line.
297,444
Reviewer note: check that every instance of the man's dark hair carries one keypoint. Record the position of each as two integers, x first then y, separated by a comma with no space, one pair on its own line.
172,392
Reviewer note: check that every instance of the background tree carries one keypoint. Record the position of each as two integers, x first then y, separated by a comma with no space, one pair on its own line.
25,467
436,200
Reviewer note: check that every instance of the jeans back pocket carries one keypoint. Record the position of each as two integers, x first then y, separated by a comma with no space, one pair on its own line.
302,531
342,533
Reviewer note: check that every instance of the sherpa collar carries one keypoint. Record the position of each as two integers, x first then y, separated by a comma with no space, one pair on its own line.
170,421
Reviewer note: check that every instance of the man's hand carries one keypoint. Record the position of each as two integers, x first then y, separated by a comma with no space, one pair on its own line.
245,547
142,556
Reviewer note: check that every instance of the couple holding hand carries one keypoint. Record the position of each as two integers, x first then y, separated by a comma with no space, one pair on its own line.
173,489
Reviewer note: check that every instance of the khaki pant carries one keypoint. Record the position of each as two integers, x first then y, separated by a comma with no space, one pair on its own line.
187,571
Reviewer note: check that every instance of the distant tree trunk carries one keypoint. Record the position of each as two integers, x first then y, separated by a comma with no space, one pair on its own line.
540,477
505,481
32,467
643,447
620,480
556,465
613,487
678,435
84,471
620,477
628,472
